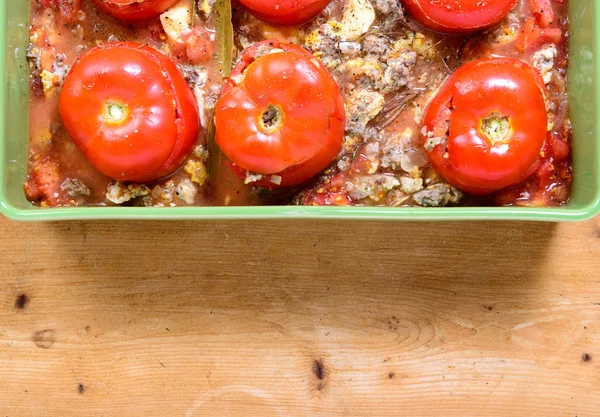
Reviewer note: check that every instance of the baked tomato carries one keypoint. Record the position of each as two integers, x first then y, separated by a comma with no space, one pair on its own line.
134,10
130,111
285,12
281,116
486,127
459,16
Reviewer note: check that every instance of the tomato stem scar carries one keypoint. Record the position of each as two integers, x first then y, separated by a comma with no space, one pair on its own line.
115,112
271,119
496,127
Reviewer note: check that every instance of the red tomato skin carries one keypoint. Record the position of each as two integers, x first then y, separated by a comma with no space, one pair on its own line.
133,10
188,119
285,12
162,123
300,158
464,16
469,160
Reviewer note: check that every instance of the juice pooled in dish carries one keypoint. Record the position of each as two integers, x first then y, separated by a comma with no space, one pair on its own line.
313,102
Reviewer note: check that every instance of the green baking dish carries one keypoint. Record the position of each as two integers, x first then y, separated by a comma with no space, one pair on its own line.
585,113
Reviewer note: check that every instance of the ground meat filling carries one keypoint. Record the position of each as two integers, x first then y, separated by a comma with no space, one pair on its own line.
390,11
378,72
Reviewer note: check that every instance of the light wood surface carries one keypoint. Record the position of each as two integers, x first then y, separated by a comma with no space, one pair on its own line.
291,319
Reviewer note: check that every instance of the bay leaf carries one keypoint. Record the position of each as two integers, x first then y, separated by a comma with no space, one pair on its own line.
224,54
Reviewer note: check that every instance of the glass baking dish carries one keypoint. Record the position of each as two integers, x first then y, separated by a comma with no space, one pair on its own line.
583,91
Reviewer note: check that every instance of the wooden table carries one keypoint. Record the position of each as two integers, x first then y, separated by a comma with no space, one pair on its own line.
295,319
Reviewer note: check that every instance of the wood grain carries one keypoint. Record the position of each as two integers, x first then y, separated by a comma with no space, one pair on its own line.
293,319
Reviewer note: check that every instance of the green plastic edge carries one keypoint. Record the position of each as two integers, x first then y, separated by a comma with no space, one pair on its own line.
567,213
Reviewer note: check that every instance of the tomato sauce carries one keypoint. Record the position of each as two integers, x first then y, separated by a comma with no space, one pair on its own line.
382,161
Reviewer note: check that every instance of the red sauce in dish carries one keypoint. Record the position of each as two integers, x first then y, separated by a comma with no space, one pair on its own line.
382,161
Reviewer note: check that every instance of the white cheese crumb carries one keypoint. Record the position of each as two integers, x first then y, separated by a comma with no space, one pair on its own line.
252,177
119,193
49,81
200,95
357,19
543,61
362,107
177,19
197,171
187,191
207,6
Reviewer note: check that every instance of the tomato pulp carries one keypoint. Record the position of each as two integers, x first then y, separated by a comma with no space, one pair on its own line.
281,115
485,128
129,110
285,12
459,16
134,10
